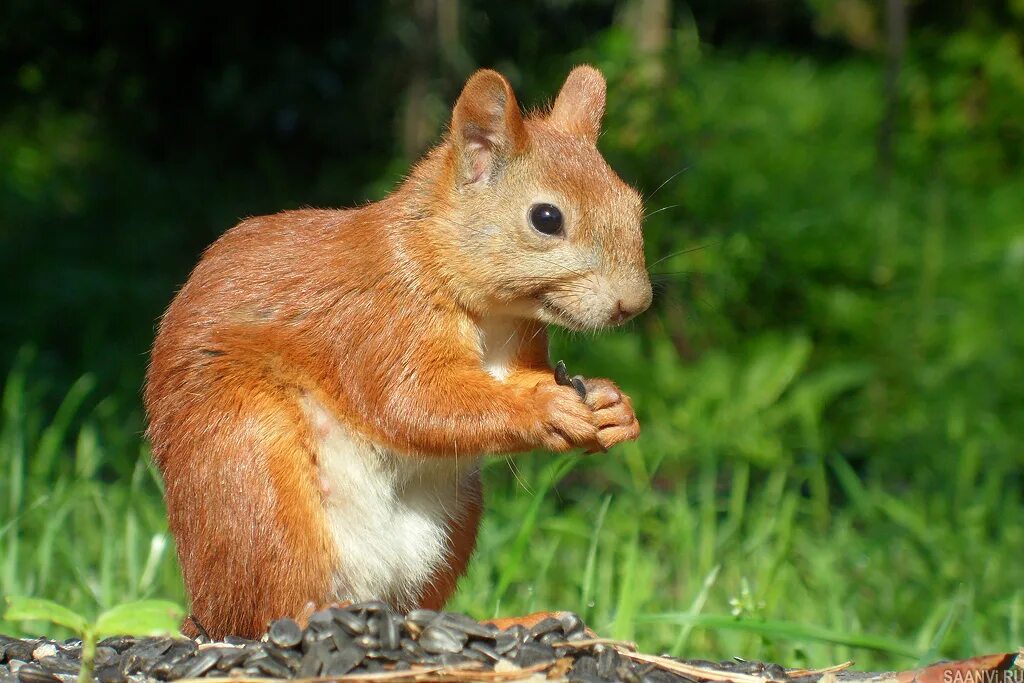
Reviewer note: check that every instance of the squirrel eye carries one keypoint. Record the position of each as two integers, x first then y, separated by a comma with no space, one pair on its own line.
546,218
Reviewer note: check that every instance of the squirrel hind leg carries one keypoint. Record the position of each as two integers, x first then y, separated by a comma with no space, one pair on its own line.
254,545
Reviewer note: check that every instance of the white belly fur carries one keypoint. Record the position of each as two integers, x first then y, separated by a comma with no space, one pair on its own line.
388,513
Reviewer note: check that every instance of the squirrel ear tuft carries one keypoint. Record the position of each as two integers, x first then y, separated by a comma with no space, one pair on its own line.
579,107
487,126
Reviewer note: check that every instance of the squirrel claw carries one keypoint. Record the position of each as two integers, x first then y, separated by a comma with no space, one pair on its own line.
562,378
561,374
579,386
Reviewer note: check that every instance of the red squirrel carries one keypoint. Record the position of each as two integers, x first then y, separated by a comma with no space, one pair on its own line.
321,389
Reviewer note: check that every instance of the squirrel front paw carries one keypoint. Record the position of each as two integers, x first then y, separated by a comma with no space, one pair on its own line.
566,422
612,413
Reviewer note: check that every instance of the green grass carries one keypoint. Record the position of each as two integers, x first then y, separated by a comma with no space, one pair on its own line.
702,559
83,521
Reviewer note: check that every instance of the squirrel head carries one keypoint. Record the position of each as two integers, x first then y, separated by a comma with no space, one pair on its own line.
532,222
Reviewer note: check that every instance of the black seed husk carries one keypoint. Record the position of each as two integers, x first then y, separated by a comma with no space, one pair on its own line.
349,621
20,650
468,625
343,661
545,626
196,666
271,667
487,651
32,673
363,638
504,642
571,622
438,639
390,633
312,662
367,642
290,658
285,633
322,620
534,653
421,617
109,674
229,657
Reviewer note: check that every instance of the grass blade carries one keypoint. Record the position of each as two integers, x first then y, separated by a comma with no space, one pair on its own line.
785,630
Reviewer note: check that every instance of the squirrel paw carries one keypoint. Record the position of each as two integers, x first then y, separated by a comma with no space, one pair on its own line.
566,421
613,414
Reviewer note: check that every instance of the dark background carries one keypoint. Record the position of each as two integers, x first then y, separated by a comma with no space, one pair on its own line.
135,135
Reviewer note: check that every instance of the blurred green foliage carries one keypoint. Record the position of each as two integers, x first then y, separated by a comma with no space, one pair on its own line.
829,379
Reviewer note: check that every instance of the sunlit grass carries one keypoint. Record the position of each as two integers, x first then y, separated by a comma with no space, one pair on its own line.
700,559
84,522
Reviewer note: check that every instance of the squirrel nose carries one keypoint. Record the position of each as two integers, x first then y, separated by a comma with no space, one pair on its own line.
633,299
624,311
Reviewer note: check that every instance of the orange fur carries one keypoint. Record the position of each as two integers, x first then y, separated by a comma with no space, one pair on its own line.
375,313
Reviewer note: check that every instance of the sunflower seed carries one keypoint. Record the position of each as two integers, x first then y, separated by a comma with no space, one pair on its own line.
339,638
350,622
313,661
289,658
312,636
119,643
488,652
273,668
571,622
607,662
659,676
421,618
373,667
504,642
545,626
196,666
32,673
438,639
343,661
370,607
229,657
534,653
585,666
57,665
285,633
102,656
551,638
321,621
110,673
236,640
519,632
367,642
468,625
21,650
390,633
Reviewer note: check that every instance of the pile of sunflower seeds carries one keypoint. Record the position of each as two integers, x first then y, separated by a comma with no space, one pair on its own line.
364,638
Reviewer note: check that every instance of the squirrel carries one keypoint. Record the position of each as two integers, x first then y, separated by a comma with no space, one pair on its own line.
322,388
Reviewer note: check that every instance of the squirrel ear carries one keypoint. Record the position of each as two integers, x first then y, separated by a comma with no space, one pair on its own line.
580,104
487,126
